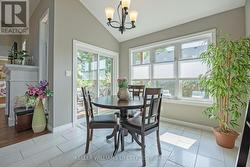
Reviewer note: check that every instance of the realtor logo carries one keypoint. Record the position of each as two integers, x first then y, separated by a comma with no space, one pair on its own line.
14,17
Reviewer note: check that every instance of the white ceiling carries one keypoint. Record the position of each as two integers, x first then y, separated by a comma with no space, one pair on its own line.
155,15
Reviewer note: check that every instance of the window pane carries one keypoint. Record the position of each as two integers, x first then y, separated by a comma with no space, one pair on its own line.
193,49
137,58
191,69
87,71
147,83
141,58
140,72
86,77
164,54
163,70
168,87
191,89
146,57
105,76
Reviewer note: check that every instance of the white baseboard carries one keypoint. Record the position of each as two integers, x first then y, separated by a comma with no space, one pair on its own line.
187,124
50,128
79,121
11,122
62,128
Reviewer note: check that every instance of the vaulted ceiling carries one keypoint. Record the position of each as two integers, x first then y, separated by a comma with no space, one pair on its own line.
156,15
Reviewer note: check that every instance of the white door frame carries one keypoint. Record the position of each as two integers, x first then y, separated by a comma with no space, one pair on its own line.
42,33
94,49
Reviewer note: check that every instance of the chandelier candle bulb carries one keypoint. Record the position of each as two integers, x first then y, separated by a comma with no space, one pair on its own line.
109,12
125,4
133,16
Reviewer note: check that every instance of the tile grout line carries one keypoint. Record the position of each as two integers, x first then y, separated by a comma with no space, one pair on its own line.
64,138
196,156
59,149
175,162
21,154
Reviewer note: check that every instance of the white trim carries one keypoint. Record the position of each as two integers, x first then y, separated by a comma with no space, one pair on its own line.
199,103
78,121
94,49
74,84
203,34
99,51
187,124
3,58
49,127
62,128
11,122
44,17
15,67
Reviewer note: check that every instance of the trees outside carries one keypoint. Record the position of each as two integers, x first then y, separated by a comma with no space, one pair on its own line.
87,73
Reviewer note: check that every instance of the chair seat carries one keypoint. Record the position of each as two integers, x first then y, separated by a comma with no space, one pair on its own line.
136,123
105,118
134,113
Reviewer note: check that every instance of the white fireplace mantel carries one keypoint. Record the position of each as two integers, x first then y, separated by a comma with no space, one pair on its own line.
17,78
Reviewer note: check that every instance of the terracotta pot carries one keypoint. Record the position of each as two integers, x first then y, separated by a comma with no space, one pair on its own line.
226,140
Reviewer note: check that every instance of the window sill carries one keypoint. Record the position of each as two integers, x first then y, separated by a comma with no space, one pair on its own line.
188,102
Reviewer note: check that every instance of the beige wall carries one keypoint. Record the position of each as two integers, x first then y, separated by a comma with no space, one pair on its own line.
33,42
73,21
232,22
33,37
247,17
6,42
186,113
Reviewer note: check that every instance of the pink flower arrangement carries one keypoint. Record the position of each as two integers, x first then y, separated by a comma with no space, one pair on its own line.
40,91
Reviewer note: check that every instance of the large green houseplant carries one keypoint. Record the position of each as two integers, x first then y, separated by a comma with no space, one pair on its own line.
228,83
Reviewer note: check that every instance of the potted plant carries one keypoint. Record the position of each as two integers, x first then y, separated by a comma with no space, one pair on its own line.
13,53
12,56
38,94
228,83
21,56
123,89
18,57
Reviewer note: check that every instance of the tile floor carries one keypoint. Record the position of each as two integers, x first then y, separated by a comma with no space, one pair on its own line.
181,146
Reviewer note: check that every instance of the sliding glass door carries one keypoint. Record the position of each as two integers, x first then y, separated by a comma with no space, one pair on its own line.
87,72
105,76
95,71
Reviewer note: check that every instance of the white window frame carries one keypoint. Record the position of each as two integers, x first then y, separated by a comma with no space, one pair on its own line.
210,35
99,51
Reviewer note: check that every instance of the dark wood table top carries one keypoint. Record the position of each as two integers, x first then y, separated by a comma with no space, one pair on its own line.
112,102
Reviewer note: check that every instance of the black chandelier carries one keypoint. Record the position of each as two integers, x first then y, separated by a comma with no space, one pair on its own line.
123,11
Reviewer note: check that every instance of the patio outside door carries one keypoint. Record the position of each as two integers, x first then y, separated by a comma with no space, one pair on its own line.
95,71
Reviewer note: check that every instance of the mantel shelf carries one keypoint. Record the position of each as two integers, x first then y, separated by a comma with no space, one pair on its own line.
15,67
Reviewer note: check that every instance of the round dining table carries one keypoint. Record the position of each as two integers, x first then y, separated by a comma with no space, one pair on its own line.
113,102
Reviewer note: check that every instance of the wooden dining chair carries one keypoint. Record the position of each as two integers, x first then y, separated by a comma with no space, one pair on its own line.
98,121
148,122
136,90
